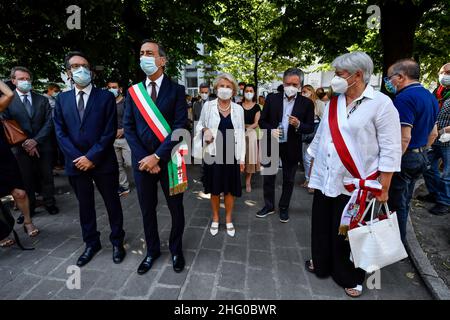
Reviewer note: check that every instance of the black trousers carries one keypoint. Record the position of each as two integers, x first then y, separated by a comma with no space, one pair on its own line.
107,185
147,189
330,251
289,170
37,175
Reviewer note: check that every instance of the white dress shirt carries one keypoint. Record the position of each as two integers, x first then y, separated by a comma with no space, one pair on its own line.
28,94
375,124
87,92
288,105
158,85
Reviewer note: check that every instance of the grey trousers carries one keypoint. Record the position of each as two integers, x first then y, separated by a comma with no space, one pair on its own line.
123,154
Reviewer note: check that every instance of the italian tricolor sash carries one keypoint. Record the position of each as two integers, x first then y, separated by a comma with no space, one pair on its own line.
362,183
176,167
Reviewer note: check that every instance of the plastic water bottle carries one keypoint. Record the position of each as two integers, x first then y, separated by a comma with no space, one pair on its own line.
282,135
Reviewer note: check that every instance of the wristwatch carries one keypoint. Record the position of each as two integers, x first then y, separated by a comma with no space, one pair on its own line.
156,156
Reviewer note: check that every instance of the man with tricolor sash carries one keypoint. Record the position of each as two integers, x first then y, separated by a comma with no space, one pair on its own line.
155,108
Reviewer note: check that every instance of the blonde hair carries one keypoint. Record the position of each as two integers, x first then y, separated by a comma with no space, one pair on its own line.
227,77
314,97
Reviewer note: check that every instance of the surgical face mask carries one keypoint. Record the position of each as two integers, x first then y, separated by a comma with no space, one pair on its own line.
390,86
204,96
340,85
224,93
55,94
24,85
444,79
114,91
290,91
148,65
306,94
249,95
81,76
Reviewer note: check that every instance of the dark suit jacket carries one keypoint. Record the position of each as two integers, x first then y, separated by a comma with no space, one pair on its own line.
40,126
93,137
272,115
141,139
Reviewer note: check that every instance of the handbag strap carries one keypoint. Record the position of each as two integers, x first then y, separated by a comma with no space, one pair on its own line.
371,205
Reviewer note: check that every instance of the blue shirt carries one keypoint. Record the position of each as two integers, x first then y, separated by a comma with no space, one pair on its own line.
418,108
288,105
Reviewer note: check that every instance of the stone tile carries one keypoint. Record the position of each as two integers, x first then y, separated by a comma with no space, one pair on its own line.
291,255
207,261
44,266
229,295
202,222
259,225
88,278
66,249
199,287
139,285
45,290
214,242
241,236
232,276
112,280
21,285
161,293
260,259
98,294
260,242
170,277
261,284
192,237
235,253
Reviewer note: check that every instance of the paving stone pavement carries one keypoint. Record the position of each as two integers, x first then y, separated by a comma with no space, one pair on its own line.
263,261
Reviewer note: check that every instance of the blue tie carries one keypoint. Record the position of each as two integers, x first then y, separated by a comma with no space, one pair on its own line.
27,105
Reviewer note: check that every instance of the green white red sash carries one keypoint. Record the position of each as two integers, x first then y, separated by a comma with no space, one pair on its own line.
176,167
362,184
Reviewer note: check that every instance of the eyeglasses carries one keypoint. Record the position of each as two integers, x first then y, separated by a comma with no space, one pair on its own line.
389,78
76,66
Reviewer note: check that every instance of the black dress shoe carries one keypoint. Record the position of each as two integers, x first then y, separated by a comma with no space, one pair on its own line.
439,210
178,263
119,253
87,255
147,263
52,209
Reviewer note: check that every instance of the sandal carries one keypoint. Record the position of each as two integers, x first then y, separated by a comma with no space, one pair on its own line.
5,243
309,266
354,292
30,229
214,229
230,229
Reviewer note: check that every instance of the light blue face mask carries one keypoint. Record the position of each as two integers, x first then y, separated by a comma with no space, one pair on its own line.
389,86
81,76
148,65
24,85
114,91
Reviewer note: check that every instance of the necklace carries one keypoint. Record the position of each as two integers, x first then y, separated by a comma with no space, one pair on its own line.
226,109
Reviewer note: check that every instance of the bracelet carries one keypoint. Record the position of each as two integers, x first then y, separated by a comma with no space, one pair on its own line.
156,156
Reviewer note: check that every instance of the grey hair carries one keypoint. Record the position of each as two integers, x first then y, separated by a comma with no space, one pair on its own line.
19,68
228,77
407,67
295,72
354,61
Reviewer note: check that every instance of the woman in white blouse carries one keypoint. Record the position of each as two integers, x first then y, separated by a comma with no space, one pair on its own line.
223,129
370,127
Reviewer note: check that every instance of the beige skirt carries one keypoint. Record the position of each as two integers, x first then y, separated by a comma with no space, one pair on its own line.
252,160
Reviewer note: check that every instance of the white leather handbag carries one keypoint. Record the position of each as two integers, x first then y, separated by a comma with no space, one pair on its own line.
377,243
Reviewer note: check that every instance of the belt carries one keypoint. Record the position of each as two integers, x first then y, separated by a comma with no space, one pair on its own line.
417,150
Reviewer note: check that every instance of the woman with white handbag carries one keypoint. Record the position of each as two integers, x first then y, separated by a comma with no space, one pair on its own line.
356,150
220,142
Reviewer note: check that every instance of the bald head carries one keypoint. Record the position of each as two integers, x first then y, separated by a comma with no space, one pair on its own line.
445,68
408,68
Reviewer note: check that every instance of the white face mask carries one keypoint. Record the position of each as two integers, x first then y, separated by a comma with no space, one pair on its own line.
444,79
290,91
224,93
340,85
249,95
204,96
306,95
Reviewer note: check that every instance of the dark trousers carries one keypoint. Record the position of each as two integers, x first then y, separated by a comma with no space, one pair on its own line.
147,189
289,170
37,175
330,251
402,187
107,185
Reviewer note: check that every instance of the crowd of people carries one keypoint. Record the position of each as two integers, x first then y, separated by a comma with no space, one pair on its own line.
346,138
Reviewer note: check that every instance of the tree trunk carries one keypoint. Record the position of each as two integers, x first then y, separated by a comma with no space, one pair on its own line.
255,74
399,20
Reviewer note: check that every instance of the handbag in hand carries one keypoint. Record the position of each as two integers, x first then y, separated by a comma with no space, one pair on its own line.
376,243
14,134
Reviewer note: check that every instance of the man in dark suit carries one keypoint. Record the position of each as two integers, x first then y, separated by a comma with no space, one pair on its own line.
33,114
86,126
285,116
150,157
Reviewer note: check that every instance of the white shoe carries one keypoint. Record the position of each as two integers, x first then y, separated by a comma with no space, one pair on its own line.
230,230
214,229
